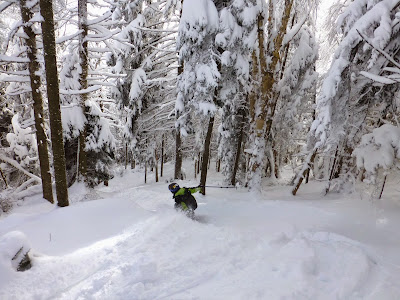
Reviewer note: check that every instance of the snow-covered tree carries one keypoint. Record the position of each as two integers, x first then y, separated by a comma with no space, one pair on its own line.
145,53
236,38
199,80
26,84
282,25
350,103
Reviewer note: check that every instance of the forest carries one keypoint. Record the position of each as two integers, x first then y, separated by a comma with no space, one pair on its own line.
281,117
248,86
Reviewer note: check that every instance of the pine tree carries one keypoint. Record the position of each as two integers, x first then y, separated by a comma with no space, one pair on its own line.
236,39
199,80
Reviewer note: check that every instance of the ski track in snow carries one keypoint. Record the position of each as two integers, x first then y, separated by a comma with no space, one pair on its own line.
248,249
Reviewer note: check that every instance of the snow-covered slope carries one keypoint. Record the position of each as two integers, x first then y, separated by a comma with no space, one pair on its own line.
129,243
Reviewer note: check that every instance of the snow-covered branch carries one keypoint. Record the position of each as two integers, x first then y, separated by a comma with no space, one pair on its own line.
16,165
386,55
78,92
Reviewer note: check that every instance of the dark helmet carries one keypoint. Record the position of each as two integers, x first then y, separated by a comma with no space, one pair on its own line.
173,187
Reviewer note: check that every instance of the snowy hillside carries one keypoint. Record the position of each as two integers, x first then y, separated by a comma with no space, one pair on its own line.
126,241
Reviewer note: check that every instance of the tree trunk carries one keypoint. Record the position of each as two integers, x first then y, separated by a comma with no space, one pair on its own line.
133,163
126,156
301,175
383,186
332,173
156,164
178,155
276,163
4,178
206,155
145,172
238,148
49,48
83,58
41,138
162,157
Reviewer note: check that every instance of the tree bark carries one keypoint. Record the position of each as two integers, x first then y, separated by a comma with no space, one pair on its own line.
206,155
145,172
41,138
178,154
303,174
198,163
238,148
162,157
49,47
126,156
4,178
383,186
83,58
156,164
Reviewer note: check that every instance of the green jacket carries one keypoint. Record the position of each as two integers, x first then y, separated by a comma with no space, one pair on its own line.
192,190
184,198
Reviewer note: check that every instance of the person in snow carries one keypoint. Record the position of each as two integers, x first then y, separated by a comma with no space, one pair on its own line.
184,199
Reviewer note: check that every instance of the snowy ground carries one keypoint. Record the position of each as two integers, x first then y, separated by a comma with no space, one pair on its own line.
126,241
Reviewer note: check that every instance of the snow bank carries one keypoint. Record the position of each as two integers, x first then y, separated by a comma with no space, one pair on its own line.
133,245
12,244
379,149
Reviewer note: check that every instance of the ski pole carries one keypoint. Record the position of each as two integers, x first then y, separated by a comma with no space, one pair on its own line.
220,187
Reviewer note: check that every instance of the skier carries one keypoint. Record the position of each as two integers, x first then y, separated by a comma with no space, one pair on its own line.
184,199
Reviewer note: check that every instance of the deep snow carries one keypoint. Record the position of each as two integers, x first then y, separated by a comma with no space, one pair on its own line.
126,241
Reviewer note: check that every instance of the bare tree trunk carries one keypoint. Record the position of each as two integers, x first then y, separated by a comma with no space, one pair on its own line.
145,172
156,164
301,175
238,148
195,169
49,47
133,163
178,155
83,58
332,174
126,156
4,178
198,164
162,157
383,186
41,138
276,163
206,155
